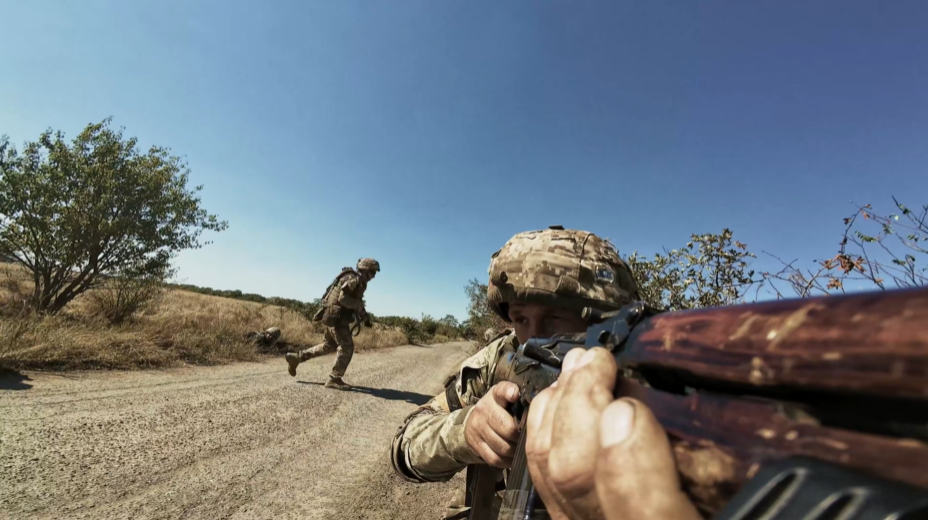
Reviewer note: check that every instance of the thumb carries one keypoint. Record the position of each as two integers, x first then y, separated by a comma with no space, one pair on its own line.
636,474
505,392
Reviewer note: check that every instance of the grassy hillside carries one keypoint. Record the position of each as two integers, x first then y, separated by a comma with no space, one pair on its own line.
183,327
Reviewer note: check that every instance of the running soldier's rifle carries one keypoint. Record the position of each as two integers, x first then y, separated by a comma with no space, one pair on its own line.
805,409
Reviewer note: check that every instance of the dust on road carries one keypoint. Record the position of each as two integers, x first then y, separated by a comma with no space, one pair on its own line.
232,442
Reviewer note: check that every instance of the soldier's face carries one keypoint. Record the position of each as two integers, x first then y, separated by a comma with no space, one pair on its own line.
533,320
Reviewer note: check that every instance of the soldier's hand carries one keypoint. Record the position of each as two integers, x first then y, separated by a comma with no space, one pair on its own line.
591,457
490,431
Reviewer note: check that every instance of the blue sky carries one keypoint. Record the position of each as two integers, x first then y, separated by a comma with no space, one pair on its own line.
426,133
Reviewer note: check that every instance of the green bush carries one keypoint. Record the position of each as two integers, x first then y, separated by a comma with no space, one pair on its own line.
74,213
426,330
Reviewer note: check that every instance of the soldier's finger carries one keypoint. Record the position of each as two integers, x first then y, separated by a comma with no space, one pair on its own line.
636,474
499,445
597,369
546,425
503,463
537,449
487,454
503,424
539,435
542,434
575,433
572,359
504,393
543,420
492,458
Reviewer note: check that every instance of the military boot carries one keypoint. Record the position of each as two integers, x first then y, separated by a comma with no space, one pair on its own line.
336,382
293,359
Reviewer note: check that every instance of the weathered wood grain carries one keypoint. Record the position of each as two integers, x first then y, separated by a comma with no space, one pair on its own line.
874,343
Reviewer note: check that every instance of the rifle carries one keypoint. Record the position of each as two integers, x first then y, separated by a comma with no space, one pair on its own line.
358,319
774,410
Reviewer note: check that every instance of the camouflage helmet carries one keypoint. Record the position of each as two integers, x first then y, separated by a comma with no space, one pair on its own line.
368,264
559,267
273,333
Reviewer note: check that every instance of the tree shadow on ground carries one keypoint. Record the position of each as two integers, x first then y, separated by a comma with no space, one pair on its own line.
383,393
14,380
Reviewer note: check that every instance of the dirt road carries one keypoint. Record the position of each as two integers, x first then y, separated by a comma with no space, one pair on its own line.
232,442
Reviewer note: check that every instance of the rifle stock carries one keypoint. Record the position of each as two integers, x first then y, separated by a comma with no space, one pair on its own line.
841,379
872,343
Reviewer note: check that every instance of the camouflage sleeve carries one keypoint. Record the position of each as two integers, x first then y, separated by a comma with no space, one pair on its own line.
349,295
430,445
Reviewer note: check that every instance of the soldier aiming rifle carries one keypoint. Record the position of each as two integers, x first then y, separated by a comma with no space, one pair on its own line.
802,409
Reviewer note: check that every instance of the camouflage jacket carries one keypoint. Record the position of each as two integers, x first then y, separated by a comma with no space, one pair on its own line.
348,291
430,445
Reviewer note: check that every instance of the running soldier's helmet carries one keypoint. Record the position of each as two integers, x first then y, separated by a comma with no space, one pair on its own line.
368,264
559,267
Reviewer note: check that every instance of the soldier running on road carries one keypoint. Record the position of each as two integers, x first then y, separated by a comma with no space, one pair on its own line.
343,301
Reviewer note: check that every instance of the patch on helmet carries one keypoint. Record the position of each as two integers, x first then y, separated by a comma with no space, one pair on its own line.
604,274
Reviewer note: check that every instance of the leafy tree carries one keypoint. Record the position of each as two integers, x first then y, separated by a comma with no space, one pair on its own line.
710,270
480,316
449,321
73,212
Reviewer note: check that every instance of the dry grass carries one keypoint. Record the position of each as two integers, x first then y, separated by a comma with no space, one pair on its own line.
182,328
440,338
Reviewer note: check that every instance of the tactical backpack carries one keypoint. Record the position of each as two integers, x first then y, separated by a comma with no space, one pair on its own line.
327,313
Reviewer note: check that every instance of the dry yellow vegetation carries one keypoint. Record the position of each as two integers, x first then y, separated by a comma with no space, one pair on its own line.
182,327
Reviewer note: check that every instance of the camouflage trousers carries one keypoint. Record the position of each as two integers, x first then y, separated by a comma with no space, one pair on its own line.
336,339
